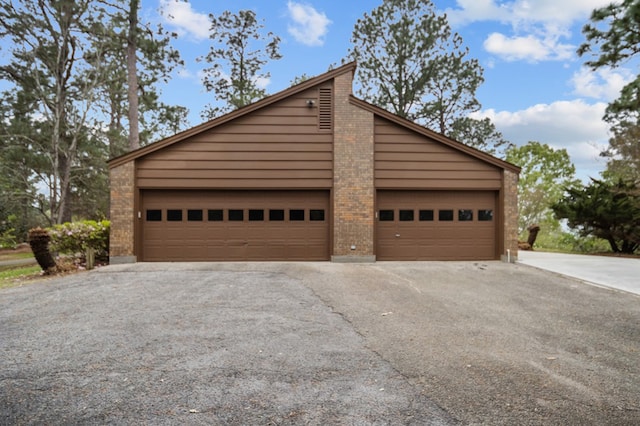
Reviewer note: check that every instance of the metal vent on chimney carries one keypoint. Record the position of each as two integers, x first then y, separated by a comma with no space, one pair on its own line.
325,108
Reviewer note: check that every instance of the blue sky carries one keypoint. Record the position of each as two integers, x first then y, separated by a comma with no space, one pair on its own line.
536,87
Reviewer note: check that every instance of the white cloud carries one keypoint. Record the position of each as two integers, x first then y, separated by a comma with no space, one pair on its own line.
521,12
262,82
476,10
538,25
604,84
181,15
574,125
529,48
565,11
186,74
309,26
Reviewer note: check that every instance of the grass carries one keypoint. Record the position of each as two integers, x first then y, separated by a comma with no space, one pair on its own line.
15,276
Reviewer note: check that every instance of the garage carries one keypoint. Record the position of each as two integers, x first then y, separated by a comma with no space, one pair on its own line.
311,173
235,225
436,225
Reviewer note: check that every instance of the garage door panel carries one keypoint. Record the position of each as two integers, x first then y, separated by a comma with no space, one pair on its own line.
462,238
207,233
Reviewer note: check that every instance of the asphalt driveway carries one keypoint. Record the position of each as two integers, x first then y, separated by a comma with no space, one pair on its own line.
318,343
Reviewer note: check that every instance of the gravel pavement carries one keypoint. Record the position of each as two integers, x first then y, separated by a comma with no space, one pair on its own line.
319,343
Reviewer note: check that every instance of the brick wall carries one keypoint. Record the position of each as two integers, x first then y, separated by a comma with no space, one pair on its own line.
121,240
511,214
353,181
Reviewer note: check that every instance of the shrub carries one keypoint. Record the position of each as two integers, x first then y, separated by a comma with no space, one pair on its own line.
77,237
8,239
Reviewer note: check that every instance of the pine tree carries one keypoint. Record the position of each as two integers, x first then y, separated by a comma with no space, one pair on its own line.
412,64
237,56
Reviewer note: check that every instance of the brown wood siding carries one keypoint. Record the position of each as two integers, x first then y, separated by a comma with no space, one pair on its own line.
407,160
279,146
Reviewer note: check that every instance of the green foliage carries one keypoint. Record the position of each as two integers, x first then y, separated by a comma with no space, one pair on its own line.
65,106
299,79
77,237
45,52
236,58
614,32
608,210
569,242
8,238
410,63
113,43
18,162
545,173
623,153
480,134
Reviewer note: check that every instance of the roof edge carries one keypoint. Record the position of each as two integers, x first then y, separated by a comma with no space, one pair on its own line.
474,152
155,146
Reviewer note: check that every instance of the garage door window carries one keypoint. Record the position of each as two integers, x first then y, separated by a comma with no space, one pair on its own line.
236,215
194,215
296,215
465,215
386,215
316,215
174,215
425,215
276,215
406,215
215,215
485,215
154,215
445,215
256,215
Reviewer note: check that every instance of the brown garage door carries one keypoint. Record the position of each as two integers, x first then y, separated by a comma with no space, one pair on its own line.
436,225
235,225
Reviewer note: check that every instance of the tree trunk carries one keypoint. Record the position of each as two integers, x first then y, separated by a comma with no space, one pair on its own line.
628,247
533,234
39,241
132,75
64,203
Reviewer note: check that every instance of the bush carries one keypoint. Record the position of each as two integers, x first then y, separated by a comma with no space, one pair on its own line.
76,237
568,242
8,237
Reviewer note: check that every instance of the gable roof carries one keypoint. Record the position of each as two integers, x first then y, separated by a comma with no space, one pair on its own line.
322,78
240,112
459,146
